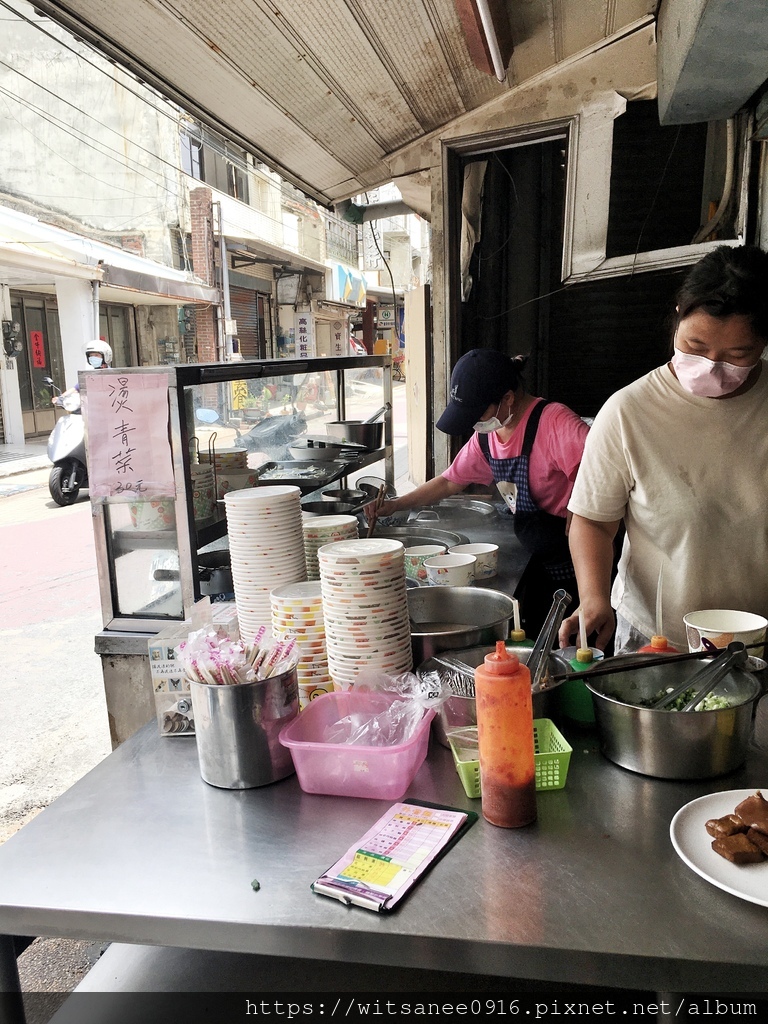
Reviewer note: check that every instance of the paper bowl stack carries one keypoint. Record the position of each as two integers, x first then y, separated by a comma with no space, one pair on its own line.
320,530
266,549
365,608
297,611
203,490
226,460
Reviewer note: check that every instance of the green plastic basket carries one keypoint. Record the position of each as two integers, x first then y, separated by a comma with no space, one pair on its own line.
552,755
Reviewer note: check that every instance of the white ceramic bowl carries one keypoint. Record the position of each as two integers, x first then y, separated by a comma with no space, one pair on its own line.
451,570
487,556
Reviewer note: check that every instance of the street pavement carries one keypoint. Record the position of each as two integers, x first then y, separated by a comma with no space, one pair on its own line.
52,706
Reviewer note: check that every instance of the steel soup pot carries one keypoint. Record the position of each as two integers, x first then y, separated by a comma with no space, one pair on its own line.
671,744
447,618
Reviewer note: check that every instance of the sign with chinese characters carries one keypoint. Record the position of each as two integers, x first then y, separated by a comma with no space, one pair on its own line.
129,451
305,337
339,339
38,349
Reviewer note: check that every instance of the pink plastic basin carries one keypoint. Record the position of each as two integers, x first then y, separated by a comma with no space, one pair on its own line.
346,769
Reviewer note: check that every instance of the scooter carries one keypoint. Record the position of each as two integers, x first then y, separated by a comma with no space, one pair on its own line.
66,449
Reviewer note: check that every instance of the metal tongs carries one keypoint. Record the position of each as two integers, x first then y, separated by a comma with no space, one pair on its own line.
707,678
538,662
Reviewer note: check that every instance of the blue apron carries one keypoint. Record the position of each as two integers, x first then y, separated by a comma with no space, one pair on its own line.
540,533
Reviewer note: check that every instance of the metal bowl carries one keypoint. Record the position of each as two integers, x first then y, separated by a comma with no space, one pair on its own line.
350,495
329,508
459,710
448,618
671,744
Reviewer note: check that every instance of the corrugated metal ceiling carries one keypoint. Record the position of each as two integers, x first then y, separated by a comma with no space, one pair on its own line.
325,90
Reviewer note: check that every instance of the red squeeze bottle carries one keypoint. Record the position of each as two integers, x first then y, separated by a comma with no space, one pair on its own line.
505,738
658,645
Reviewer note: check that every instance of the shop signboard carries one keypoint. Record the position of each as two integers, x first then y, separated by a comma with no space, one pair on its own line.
305,336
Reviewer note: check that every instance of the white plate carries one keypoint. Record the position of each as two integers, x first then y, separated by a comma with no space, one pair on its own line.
693,845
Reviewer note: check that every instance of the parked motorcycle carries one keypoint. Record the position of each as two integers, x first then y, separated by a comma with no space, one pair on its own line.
66,448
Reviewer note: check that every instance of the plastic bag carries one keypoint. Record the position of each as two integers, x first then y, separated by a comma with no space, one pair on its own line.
394,725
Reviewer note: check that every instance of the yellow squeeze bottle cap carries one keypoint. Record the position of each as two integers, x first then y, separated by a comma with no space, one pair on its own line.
517,636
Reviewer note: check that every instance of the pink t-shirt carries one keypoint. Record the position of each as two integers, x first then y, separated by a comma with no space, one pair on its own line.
554,461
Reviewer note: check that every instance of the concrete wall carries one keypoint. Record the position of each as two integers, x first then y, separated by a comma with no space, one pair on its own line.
85,142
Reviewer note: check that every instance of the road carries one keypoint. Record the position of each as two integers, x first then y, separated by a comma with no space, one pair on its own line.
52,705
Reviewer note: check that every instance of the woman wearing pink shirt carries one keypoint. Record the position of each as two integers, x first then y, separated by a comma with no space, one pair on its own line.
528,447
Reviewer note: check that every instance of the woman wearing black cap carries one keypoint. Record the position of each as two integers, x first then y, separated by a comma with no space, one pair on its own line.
528,447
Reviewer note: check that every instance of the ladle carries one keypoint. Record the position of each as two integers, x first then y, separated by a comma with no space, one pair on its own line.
706,679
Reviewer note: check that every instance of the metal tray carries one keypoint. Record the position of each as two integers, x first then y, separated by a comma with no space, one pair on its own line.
308,476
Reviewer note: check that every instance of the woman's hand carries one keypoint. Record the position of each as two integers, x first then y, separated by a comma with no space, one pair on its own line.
591,545
374,509
599,619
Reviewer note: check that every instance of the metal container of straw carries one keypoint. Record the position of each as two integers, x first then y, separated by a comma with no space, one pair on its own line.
237,729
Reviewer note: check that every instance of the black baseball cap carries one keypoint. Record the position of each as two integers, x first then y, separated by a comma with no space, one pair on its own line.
480,378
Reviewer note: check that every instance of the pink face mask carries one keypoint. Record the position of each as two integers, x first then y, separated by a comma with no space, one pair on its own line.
707,378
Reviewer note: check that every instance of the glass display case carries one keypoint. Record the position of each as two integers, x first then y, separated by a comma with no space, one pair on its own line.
229,425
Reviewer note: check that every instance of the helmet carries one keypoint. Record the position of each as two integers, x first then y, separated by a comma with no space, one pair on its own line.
101,347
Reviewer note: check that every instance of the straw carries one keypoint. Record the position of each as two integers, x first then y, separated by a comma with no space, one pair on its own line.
582,631
659,624
516,613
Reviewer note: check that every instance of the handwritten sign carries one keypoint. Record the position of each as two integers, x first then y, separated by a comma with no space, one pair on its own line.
129,451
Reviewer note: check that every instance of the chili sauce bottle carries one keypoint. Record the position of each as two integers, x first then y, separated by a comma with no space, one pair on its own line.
505,737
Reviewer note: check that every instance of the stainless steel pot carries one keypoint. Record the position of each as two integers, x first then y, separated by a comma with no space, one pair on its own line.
459,710
215,573
366,432
412,536
449,618
671,744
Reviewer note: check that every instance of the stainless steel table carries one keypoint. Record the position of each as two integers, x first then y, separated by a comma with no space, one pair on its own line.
143,851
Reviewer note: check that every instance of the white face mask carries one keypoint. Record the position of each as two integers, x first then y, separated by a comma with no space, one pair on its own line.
493,424
707,378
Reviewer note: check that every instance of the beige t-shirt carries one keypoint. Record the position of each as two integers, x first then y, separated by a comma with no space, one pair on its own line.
689,475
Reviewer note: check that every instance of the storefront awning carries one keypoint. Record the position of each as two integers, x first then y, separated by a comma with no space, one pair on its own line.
34,254
326,92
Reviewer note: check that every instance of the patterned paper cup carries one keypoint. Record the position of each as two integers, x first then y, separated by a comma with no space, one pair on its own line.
451,570
722,626
416,556
487,556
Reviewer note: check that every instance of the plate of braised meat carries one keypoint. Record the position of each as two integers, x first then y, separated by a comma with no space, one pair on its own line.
723,837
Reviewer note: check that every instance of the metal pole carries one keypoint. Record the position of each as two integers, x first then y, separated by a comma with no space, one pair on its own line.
11,1002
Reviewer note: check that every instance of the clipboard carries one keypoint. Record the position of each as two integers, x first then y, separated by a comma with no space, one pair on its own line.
379,870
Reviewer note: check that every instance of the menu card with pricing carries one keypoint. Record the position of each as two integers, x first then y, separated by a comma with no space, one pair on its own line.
394,853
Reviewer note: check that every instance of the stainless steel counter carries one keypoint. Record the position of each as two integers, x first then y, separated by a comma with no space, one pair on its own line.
143,851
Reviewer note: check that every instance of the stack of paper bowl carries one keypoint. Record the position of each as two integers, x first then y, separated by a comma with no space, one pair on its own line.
365,608
320,530
203,494
297,611
226,460
266,549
